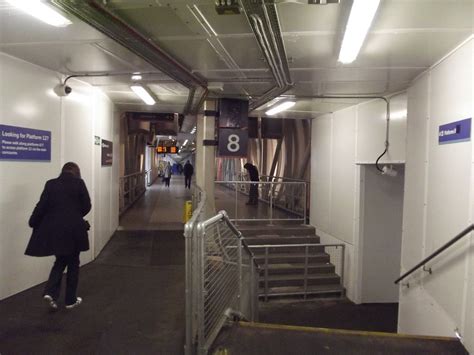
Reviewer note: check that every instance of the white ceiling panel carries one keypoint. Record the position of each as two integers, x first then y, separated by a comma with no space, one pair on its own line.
406,38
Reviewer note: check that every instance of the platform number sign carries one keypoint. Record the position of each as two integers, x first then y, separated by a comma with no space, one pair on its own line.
233,142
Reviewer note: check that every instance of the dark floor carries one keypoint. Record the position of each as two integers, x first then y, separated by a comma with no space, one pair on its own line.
133,304
339,314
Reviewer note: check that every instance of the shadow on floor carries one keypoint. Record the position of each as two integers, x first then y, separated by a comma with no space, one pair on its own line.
133,304
339,314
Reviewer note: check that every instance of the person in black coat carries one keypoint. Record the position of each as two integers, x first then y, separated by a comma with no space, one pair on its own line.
188,173
59,229
253,191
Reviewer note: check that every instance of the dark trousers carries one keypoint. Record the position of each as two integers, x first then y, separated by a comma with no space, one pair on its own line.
167,181
253,194
187,181
53,286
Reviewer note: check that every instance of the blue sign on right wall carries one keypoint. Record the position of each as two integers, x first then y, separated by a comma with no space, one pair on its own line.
455,132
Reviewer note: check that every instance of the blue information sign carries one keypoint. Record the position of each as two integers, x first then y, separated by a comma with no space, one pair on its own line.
455,132
18,143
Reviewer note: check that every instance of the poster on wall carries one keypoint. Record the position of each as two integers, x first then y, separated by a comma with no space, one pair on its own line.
19,143
107,149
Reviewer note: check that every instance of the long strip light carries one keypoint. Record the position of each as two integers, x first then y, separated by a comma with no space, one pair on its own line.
41,11
360,19
143,94
280,107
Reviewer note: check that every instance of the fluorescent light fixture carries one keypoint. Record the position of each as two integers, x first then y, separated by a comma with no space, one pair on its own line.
280,107
136,76
185,142
41,11
360,19
143,94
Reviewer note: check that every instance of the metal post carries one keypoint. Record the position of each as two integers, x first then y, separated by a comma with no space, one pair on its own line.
239,265
305,202
306,248
342,265
252,289
200,291
236,204
266,274
271,203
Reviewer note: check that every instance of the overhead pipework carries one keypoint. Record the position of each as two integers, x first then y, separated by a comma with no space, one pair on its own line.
104,20
263,19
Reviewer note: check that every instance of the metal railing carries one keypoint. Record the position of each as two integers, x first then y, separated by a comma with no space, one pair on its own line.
329,258
151,176
435,253
221,279
131,187
289,197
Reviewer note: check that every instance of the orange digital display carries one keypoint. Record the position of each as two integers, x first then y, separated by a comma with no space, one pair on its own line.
164,150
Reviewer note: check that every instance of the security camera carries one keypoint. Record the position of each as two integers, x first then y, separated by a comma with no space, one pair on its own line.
62,90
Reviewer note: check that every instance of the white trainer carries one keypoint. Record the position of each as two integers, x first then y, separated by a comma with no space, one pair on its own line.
51,302
77,303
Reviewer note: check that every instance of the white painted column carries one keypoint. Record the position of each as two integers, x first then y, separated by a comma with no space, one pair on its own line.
205,156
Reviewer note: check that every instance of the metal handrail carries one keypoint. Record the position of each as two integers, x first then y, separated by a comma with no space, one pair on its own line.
437,252
274,201
214,301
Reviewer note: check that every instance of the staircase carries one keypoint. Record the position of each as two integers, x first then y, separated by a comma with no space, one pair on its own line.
287,270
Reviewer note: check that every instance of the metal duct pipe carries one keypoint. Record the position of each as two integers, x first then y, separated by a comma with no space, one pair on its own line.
102,19
265,45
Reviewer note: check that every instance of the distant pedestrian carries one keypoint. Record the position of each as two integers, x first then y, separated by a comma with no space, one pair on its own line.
188,174
253,191
59,229
167,174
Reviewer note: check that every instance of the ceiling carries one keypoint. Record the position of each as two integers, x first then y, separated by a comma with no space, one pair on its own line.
407,37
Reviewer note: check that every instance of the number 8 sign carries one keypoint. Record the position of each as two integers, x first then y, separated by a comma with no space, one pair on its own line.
233,142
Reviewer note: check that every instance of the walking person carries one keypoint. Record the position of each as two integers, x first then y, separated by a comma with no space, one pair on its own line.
253,191
167,174
60,230
188,174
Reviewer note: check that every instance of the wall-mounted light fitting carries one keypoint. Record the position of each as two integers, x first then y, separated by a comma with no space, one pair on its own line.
143,94
41,11
136,76
280,107
360,19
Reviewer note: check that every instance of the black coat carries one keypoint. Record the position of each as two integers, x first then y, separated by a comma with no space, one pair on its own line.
253,172
188,169
57,220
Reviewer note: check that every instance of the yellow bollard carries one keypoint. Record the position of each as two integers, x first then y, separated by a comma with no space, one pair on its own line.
188,210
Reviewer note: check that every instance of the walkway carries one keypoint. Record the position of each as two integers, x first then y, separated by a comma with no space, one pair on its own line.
161,208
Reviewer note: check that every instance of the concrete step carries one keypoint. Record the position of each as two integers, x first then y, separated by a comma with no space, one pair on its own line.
298,268
257,250
333,290
286,229
285,258
298,280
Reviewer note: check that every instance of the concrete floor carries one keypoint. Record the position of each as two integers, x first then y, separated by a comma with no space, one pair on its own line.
134,294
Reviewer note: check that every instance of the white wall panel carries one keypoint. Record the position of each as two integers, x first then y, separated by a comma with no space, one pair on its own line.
449,176
27,100
438,304
343,174
415,173
321,171
372,127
